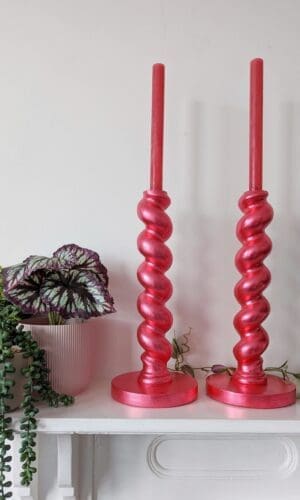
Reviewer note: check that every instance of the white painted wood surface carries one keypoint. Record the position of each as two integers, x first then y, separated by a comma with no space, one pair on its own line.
66,488
216,449
218,467
96,413
222,466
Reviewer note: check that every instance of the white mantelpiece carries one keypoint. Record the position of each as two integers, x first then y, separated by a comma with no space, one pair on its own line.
95,412
104,449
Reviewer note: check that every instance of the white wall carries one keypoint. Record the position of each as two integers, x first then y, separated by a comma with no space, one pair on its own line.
75,79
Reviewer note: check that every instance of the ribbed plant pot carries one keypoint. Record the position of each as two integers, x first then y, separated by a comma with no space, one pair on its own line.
70,354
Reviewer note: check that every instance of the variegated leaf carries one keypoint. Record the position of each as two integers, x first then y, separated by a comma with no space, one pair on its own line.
37,263
26,295
76,293
84,259
12,276
104,303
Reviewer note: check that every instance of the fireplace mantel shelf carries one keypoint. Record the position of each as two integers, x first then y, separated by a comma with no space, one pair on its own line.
95,412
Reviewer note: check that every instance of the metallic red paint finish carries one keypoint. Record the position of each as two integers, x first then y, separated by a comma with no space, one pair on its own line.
157,126
275,394
154,386
157,287
256,246
249,386
127,389
256,125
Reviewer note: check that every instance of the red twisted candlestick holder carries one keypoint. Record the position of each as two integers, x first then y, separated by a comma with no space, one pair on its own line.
158,288
249,386
256,277
154,386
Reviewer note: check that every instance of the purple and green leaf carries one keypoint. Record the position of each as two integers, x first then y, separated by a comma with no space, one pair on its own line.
13,275
83,258
73,283
76,293
27,296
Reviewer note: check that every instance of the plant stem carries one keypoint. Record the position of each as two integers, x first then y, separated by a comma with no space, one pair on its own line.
55,318
181,348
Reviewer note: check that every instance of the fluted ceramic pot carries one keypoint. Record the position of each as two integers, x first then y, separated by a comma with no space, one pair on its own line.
70,354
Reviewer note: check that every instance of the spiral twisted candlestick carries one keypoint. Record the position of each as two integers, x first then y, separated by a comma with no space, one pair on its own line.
248,291
249,386
158,288
154,386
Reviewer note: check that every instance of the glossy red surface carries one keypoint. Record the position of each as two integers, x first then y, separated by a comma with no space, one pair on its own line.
157,126
256,246
249,386
256,124
157,287
154,386
181,389
276,393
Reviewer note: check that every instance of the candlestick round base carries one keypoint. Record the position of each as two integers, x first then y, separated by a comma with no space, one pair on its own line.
275,394
127,389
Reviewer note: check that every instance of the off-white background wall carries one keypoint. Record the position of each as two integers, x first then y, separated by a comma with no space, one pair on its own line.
74,144
75,80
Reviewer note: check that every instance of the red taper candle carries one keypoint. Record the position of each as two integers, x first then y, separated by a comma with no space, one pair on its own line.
157,126
256,125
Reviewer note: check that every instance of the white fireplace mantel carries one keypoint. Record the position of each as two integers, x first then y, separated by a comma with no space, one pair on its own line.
219,445
95,412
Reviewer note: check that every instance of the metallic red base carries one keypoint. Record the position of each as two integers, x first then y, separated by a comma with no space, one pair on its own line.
275,394
127,389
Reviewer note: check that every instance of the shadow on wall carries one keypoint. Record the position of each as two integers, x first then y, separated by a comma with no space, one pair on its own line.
117,347
192,293
205,244
205,228
285,293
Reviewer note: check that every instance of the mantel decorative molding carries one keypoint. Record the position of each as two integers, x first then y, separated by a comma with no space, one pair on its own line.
263,456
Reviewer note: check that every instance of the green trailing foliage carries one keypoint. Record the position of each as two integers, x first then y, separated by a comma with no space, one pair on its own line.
36,387
72,283
9,319
181,346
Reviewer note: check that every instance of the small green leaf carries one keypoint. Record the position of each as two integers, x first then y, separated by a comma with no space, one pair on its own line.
188,370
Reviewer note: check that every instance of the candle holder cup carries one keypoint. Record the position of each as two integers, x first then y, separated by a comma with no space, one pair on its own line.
154,386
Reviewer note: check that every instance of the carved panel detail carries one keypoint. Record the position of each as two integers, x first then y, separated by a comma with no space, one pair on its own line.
222,456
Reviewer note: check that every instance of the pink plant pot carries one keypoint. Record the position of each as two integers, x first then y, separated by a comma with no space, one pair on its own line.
70,354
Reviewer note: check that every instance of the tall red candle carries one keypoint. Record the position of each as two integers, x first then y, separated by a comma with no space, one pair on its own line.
157,127
256,124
